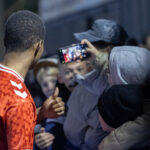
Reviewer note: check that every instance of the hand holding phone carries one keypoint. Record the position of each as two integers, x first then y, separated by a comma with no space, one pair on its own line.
90,48
73,53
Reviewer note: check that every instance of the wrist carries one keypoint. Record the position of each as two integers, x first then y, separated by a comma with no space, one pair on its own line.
41,115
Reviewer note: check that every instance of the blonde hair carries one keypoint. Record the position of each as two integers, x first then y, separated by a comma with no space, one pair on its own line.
49,71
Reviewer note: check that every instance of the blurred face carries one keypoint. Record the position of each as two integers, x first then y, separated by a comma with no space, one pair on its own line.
104,125
48,84
70,70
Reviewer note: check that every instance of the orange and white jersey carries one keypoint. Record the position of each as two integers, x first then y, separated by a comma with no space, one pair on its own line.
17,112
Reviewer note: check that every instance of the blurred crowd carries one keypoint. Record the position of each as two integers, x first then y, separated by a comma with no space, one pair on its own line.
106,95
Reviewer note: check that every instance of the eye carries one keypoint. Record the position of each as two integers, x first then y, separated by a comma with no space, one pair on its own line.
44,84
67,72
53,81
80,69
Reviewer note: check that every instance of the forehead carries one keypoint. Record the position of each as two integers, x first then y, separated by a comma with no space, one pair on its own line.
46,77
74,65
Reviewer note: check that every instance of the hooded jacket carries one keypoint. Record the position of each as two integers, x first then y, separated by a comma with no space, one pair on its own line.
129,65
81,126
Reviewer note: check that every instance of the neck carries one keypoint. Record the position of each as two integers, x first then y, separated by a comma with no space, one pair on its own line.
18,61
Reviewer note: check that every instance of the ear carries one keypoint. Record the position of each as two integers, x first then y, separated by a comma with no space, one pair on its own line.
37,48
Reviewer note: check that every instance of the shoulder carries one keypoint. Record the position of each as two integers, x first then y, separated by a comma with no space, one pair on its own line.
128,48
14,91
127,63
129,52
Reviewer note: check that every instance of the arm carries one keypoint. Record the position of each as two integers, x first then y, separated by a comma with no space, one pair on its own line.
20,122
129,134
94,133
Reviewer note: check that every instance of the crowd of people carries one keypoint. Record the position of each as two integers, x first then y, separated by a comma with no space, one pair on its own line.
101,102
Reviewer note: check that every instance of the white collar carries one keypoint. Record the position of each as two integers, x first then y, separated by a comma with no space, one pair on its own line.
11,71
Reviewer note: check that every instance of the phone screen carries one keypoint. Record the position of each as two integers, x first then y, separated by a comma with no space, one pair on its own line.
73,53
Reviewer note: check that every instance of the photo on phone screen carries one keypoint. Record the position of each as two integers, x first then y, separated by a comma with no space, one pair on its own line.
73,53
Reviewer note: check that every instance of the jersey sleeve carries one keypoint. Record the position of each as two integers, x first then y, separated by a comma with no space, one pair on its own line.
20,123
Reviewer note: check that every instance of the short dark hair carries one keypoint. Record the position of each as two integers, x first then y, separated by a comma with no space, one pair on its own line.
131,42
102,44
23,29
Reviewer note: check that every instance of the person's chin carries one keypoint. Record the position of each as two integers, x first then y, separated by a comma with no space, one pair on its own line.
50,93
72,86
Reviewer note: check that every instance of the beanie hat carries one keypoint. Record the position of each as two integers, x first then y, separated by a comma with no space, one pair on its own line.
121,103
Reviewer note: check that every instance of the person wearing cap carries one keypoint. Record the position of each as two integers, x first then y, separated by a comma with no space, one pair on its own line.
121,104
119,64
105,42
49,134
86,132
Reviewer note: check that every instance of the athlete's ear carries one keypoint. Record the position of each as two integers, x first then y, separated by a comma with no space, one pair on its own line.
38,48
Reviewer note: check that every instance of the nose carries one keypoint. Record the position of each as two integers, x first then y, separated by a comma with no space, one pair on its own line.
75,72
49,86
72,75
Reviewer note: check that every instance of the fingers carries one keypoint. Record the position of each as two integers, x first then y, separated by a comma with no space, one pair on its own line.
90,48
58,103
87,43
56,93
59,106
42,130
44,136
44,139
52,98
45,143
60,113
58,110
53,106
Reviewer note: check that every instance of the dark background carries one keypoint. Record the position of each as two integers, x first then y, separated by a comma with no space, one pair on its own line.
133,15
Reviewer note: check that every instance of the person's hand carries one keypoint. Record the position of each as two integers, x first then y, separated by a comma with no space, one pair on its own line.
90,48
53,107
44,139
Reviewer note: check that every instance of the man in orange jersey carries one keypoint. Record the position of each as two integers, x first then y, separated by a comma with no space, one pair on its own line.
24,39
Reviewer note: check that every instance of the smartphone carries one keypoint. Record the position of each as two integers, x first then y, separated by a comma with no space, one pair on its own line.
72,53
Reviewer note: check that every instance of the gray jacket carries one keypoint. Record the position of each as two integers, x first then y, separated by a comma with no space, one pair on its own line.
129,65
82,127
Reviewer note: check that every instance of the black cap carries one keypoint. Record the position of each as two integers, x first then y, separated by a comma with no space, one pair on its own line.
121,103
104,30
